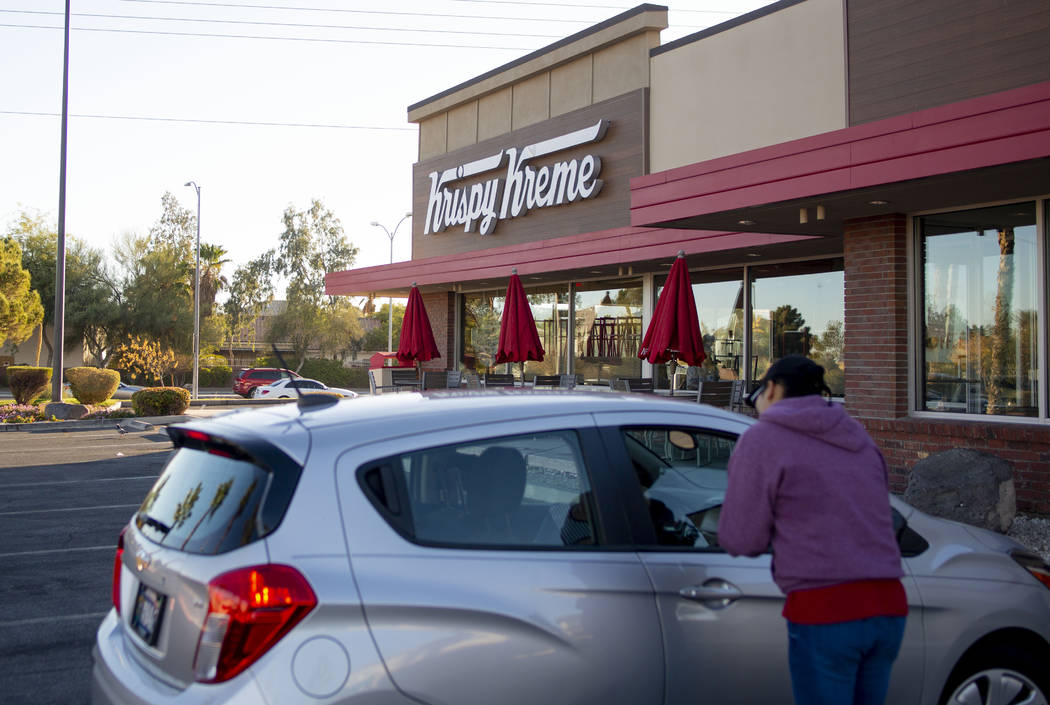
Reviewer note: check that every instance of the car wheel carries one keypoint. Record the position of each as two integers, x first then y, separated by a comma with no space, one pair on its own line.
1004,676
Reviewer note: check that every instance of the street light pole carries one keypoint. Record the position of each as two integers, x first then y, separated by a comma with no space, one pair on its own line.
196,294
390,299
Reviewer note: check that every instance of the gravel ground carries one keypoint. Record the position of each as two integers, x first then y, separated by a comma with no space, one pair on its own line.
1033,532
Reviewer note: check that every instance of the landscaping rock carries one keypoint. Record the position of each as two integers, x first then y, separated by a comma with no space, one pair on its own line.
63,411
964,485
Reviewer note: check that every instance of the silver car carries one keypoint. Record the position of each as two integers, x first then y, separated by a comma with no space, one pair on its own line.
459,548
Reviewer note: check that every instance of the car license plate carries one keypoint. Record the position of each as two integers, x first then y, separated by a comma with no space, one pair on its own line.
145,619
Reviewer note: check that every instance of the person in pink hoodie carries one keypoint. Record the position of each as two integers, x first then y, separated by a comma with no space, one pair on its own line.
808,481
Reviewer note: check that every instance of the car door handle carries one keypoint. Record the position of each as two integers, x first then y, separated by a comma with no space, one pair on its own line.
716,592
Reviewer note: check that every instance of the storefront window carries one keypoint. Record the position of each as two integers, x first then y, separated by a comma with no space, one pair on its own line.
798,308
719,297
608,330
481,322
980,311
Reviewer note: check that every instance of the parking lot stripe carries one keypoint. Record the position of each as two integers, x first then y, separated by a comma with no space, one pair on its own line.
70,509
74,482
59,618
57,550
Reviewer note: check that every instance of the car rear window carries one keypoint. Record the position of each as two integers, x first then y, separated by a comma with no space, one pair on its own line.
204,503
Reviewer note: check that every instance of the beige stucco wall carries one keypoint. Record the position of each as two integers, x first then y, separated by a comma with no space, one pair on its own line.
773,79
493,114
601,64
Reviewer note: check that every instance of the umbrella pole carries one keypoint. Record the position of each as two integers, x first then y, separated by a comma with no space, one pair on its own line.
522,364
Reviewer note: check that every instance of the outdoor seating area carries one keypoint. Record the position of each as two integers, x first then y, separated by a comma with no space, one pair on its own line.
728,394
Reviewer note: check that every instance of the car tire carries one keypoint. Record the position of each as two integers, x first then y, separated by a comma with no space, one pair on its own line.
1002,674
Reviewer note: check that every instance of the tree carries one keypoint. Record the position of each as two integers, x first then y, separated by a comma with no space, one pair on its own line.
376,338
158,301
341,330
20,309
145,359
91,297
250,291
213,257
312,245
175,230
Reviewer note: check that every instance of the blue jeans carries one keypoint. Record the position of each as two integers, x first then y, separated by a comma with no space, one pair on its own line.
844,663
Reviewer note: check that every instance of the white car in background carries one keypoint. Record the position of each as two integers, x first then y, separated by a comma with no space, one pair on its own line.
290,388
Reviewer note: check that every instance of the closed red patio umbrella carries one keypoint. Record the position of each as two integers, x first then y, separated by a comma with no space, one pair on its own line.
417,342
518,338
674,332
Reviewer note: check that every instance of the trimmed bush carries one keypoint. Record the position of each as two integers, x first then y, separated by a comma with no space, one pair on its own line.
27,382
160,401
218,376
91,385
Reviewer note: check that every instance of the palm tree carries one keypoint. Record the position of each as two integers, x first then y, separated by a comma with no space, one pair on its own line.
213,257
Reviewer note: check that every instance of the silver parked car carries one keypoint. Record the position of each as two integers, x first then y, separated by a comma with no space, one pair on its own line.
459,548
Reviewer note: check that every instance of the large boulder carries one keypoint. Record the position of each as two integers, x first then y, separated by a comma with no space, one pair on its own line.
64,411
964,485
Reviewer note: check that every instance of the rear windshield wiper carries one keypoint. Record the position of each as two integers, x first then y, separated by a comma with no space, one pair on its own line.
155,523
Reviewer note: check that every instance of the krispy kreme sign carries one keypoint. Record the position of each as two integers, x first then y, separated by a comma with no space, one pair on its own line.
518,188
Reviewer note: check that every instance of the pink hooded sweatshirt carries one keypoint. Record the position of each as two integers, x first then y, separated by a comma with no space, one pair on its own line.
808,479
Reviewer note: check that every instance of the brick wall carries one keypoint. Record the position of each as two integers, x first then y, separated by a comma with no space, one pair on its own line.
441,311
876,303
876,366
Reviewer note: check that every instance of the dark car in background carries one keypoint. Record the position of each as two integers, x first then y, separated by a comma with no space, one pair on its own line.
253,377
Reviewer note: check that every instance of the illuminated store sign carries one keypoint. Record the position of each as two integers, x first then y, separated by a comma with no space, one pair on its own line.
521,189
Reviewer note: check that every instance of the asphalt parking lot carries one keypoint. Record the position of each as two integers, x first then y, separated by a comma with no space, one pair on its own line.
64,497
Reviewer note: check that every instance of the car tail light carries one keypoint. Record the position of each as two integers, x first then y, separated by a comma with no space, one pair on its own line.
263,392
1034,565
249,610
117,562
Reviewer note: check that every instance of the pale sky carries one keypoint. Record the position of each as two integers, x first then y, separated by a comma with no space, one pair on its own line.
153,105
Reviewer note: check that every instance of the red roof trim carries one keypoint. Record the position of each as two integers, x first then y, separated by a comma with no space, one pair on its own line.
617,246
996,129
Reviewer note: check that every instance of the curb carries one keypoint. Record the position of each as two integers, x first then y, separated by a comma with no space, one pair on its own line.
145,423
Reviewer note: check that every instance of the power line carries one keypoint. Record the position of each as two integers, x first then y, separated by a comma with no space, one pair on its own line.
281,24
286,39
356,12
213,122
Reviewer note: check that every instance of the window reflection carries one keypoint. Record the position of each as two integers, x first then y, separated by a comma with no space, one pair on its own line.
719,297
481,322
798,309
608,330
980,311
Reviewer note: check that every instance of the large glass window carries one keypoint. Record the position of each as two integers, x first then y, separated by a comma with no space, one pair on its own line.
608,330
481,322
980,308
798,308
719,297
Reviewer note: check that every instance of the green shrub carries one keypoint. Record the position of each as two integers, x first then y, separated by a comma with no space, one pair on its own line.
357,377
27,382
218,376
160,401
91,385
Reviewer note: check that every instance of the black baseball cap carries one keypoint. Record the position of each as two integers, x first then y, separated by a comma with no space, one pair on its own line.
799,375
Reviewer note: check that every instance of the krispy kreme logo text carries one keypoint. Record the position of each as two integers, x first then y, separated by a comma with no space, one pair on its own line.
520,189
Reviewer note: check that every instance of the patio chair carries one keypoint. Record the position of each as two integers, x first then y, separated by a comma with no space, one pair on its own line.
435,380
455,379
567,381
638,384
727,394
546,381
498,380
400,380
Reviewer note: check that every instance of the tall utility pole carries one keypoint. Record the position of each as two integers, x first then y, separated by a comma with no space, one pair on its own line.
390,299
196,294
60,257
